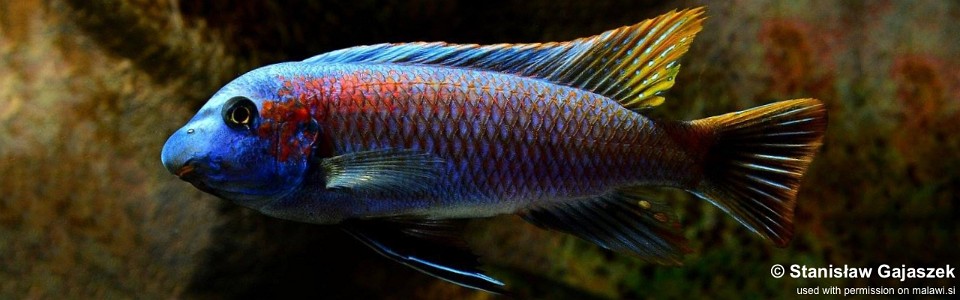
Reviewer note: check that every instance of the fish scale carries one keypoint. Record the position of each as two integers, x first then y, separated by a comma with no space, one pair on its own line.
482,123
395,141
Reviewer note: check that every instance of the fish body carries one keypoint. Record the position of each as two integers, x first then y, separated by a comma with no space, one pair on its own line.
504,142
398,142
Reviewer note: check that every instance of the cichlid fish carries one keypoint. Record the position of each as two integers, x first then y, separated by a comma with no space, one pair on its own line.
398,143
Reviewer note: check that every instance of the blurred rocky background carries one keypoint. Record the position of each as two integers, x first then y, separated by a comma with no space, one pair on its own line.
90,90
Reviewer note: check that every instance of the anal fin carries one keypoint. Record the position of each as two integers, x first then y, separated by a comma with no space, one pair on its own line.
434,247
626,220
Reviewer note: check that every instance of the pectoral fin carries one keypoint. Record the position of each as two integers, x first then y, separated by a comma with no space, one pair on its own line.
434,247
397,171
626,220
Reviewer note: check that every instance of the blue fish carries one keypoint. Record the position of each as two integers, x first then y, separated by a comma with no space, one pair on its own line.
399,143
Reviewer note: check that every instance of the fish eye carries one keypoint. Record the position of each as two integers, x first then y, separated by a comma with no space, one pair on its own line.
239,112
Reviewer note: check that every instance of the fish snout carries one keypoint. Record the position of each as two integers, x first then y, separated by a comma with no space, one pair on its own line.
176,155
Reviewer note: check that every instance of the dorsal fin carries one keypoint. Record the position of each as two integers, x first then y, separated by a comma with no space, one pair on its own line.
632,65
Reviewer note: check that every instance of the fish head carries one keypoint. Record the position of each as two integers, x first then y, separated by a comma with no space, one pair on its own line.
243,145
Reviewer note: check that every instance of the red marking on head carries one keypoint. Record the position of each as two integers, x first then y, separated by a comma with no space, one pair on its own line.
301,100
285,120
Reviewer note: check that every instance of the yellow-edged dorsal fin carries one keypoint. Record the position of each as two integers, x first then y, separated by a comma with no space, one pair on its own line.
633,65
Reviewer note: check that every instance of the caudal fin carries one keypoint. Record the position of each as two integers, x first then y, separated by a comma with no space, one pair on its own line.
753,169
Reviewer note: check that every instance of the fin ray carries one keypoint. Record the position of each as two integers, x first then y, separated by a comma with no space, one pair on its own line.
385,170
633,65
622,221
759,155
434,247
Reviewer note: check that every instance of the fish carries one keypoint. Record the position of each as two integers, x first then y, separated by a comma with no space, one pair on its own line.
399,144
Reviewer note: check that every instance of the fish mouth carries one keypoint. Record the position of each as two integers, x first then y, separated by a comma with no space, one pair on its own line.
190,172
185,170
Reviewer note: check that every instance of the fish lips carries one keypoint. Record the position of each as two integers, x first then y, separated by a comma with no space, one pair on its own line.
193,171
198,174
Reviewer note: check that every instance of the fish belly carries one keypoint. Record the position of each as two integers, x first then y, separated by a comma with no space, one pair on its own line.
509,142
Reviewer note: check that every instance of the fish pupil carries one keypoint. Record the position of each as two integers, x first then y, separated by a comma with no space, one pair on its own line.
241,115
